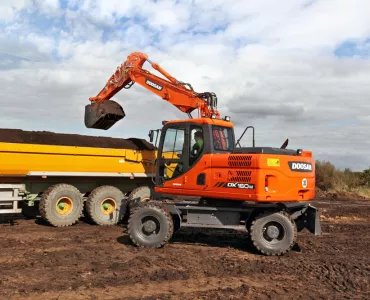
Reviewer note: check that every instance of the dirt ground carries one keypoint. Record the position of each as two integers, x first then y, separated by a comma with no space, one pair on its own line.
92,262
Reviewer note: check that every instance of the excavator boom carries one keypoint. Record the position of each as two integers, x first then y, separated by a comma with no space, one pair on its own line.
102,114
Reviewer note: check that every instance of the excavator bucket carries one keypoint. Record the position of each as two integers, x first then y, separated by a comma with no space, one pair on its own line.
103,115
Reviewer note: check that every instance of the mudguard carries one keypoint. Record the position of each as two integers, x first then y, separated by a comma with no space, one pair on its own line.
309,217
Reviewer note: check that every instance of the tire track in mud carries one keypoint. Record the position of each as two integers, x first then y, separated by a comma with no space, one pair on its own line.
148,290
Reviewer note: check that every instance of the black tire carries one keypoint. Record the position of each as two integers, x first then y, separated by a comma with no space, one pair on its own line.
54,201
106,206
273,233
138,195
156,219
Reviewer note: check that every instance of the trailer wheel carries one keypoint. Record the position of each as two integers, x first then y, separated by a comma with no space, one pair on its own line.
61,205
273,233
106,206
138,195
150,225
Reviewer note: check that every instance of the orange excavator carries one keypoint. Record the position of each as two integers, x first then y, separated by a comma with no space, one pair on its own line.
203,177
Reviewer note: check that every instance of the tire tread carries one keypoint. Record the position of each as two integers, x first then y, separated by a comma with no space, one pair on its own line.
255,242
90,204
160,207
46,199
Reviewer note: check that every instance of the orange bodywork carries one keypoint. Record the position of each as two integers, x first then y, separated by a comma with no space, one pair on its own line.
202,121
263,177
271,183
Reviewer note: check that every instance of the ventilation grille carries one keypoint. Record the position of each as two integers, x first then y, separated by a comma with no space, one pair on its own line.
240,160
241,176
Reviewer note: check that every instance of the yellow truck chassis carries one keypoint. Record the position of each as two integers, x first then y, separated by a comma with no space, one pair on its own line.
62,183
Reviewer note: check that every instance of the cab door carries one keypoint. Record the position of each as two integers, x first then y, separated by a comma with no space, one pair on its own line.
172,159
198,158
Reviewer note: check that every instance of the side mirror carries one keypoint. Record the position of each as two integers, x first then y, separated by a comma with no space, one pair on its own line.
151,136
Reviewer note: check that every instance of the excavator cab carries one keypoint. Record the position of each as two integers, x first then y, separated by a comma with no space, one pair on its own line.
185,152
103,115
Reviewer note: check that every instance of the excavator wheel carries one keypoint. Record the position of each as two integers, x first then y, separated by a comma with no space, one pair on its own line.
106,206
150,225
273,233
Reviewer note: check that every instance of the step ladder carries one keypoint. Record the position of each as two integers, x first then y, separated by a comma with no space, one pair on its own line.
10,195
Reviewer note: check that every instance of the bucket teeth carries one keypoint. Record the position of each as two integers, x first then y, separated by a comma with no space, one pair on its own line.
103,115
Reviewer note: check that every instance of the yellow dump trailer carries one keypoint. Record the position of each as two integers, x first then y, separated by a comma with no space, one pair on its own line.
62,177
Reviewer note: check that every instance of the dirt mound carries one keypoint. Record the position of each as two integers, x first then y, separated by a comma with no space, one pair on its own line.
63,139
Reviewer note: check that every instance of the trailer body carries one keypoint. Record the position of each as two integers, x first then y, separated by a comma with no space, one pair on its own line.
27,170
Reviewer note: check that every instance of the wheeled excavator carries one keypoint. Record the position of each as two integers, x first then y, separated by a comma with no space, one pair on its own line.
203,177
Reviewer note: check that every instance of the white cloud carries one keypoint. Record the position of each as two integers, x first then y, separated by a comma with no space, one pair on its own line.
49,7
270,63
8,8
43,43
325,24
166,15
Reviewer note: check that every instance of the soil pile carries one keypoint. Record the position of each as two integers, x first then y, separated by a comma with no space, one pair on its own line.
63,139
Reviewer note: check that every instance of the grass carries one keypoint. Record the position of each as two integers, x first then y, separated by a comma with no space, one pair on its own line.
332,180
340,219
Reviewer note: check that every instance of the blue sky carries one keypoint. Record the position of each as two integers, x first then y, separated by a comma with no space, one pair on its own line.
296,68
351,48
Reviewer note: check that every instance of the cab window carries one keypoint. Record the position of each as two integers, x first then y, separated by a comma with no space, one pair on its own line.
222,138
172,165
196,144
173,143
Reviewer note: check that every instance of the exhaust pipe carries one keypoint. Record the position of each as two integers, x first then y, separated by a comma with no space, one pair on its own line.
103,115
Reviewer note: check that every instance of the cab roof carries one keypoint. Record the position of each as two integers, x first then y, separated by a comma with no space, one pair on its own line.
210,121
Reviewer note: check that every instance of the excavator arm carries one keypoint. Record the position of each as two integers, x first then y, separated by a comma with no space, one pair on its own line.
102,114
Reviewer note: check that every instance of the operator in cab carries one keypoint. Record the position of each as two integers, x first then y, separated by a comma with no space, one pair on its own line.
197,147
